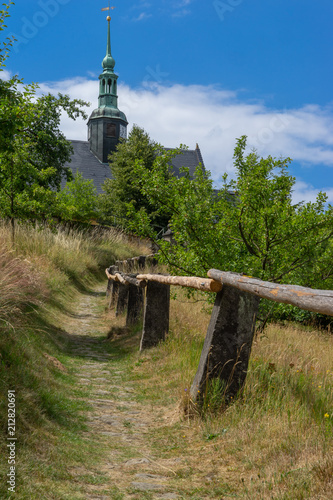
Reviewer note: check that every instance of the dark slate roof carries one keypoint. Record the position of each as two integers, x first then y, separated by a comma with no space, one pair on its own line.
189,158
85,162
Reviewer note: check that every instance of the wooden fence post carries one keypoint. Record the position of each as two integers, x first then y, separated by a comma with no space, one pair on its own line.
122,299
142,261
226,351
129,265
112,288
156,314
135,305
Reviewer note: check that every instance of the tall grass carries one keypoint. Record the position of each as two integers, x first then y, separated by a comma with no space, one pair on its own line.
63,255
20,286
276,437
39,274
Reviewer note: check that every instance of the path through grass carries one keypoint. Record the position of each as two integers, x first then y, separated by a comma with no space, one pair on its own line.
122,434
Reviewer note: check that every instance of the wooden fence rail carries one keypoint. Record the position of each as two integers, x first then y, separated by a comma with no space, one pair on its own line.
319,301
226,351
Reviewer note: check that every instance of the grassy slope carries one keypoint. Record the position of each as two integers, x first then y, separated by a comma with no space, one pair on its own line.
273,442
40,277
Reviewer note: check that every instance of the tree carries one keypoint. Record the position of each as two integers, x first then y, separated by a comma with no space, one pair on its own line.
122,194
78,200
250,226
5,46
6,126
33,150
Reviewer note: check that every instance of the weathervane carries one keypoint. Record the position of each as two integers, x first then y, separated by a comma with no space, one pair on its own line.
108,8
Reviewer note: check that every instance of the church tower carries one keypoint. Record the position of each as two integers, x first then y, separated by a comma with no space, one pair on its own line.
107,124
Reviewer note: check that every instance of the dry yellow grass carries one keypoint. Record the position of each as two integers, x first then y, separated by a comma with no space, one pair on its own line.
276,440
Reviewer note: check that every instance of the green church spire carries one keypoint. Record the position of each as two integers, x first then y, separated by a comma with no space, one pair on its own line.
108,61
108,79
107,125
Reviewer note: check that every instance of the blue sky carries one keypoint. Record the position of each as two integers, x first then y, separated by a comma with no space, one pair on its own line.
193,71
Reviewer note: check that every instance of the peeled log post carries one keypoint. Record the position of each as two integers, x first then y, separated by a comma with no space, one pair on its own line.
203,284
319,301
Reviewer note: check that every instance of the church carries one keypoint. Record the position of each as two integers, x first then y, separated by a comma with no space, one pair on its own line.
107,125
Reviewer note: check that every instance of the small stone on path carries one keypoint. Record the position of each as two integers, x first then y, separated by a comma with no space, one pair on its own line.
168,496
137,461
151,476
147,486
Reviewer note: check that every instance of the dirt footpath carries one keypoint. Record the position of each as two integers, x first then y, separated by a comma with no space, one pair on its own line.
118,421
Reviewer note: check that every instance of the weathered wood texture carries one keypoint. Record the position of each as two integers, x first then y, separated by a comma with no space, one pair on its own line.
135,305
320,301
131,279
226,351
112,290
118,277
156,315
125,279
141,261
122,299
114,294
203,284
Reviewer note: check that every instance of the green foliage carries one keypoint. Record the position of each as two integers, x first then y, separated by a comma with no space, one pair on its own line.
33,151
250,226
5,46
123,194
78,200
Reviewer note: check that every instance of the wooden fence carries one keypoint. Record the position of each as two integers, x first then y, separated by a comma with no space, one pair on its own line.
229,337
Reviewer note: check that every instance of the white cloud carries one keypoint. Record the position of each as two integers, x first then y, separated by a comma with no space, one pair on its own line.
142,17
181,13
180,9
214,118
304,191
5,75
182,3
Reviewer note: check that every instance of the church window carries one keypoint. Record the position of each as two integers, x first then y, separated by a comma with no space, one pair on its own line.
109,85
110,130
103,86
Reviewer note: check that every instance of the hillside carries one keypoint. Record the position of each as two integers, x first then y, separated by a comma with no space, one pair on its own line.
95,419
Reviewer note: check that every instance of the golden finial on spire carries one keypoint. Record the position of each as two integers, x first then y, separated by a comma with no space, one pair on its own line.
108,8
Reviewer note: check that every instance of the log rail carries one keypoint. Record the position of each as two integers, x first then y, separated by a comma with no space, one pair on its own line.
319,301
229,337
